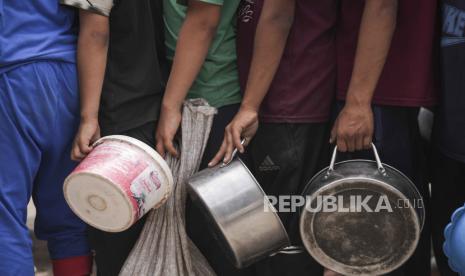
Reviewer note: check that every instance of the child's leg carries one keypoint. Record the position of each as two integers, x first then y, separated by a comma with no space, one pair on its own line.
40,106
19,161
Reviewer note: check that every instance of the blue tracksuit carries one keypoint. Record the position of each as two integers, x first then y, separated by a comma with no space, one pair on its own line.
39,115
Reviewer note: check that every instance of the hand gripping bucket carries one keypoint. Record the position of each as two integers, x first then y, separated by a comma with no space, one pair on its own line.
117,183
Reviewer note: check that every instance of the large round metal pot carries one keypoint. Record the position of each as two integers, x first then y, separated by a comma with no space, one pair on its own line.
244,221
361,217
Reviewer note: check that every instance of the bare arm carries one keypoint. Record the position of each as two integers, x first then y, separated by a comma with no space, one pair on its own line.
195,38
270,40
353,129
92,57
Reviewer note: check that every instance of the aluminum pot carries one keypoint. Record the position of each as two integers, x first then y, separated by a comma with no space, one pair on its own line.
361,217
244,222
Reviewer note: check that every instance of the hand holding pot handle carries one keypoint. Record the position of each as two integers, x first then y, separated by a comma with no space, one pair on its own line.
381,168
233,154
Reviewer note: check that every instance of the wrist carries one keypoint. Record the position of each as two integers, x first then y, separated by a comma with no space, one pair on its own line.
249,107
358,102
89,117
171,105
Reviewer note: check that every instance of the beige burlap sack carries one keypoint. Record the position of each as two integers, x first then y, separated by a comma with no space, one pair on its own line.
164,247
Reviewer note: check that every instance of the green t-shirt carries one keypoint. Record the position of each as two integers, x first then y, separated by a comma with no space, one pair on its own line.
218,80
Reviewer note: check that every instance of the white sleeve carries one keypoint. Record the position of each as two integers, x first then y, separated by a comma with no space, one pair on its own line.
102,7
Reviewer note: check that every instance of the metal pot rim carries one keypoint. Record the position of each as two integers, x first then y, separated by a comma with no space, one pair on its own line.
366,161
376,176
217,221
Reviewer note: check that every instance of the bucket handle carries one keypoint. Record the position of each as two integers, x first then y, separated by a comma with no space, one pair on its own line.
381,168
234,153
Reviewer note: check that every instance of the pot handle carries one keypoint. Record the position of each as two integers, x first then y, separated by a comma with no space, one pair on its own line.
381,168
289,250
232,155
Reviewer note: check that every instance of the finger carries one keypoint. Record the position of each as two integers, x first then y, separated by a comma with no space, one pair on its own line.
367,140
229,147
359,142
341,144
350,142
247,141
170,147
160,148
84,147
236,135
94,139
73,155
219,155
76,154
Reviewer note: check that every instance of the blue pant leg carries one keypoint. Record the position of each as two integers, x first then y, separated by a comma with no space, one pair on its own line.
19,161
65,233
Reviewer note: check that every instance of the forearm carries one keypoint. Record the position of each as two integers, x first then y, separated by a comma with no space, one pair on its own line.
194,41
270,40
92,57
375,35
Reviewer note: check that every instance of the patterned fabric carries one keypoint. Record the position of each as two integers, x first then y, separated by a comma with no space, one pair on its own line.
172,252
102,7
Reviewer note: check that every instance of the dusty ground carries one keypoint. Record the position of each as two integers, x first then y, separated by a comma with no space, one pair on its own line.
41,258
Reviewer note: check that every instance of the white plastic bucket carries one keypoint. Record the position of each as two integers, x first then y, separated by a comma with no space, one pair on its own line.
118,182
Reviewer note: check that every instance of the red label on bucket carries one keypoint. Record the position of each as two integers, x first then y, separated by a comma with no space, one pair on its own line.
127,176
123,170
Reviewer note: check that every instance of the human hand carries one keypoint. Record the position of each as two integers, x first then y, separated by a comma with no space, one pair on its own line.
168,125
243,126
88,133
353,129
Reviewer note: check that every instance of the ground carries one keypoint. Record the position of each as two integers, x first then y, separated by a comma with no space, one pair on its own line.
41,258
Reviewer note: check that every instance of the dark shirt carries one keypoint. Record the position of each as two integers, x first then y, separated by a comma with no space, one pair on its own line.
136,69
304,85
450,119
408,77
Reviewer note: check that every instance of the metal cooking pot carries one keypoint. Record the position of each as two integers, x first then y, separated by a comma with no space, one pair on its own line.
373,238
245,223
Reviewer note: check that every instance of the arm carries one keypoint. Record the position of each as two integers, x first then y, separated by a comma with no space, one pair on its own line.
91,58
353,129
195,37
270,40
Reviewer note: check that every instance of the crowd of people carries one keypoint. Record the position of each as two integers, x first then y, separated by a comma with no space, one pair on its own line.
291,78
